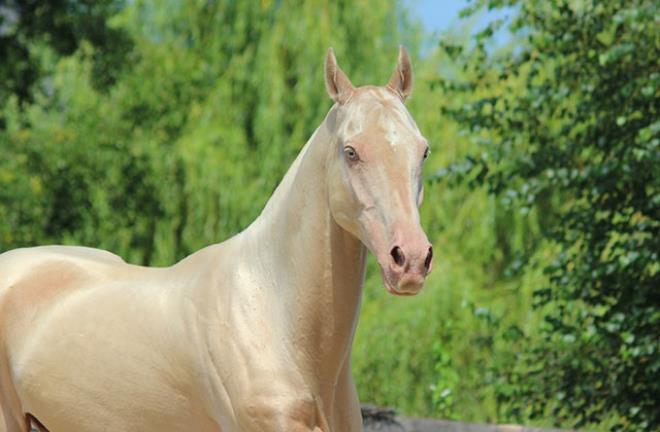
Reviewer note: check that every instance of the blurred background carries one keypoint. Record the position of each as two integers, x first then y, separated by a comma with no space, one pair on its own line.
154,128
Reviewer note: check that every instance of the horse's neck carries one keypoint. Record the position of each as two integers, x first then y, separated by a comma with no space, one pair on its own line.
321,266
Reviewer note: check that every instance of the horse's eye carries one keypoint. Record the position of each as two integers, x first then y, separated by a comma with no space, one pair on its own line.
351,154
427,152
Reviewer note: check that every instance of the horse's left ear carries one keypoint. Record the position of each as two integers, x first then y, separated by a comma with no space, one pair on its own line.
401,81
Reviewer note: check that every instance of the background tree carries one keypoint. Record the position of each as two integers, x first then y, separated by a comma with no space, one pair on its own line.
571,126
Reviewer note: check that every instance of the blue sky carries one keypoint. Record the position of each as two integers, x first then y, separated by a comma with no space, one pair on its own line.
438,16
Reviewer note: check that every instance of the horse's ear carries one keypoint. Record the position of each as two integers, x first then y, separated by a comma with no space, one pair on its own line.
401,81
336,82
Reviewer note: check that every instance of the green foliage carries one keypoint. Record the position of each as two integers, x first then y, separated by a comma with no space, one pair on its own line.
570,126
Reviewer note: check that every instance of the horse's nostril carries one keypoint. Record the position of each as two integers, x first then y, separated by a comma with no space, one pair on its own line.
429,258
397,256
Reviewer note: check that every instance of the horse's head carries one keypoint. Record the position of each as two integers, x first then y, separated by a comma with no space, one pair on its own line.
375,173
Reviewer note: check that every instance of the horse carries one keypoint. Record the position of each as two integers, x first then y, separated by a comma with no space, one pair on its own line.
251,334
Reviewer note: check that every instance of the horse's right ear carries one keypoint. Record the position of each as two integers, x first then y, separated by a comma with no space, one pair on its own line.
337,83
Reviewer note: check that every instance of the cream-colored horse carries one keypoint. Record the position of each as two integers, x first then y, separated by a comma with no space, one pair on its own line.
252,334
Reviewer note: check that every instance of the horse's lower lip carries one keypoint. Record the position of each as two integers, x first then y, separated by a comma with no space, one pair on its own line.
393,287
401,293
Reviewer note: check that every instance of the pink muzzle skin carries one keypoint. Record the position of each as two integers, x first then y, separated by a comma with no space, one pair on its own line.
404,255
407,266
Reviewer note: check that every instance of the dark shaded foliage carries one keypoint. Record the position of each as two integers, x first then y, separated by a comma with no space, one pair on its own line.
63,25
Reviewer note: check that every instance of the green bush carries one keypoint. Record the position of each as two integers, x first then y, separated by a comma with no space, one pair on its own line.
571,128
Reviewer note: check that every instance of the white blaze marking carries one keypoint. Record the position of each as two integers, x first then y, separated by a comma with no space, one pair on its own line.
392,135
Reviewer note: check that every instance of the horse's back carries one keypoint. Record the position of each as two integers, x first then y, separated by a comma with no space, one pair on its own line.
46,269
17,261
32,279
